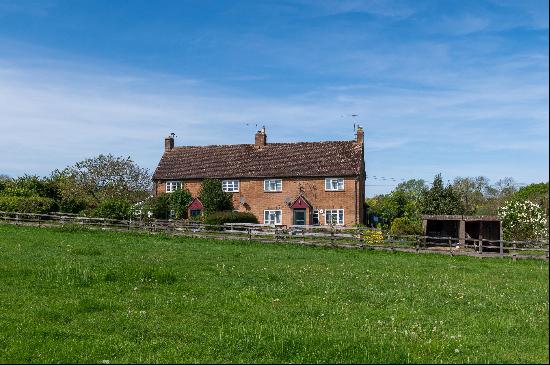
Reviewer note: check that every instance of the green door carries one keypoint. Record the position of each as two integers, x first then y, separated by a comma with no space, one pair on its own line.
299,217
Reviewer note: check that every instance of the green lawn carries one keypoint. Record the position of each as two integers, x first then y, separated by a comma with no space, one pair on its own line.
92,296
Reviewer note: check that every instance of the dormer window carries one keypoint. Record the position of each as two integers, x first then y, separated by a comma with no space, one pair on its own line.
172,186
230,186
334,184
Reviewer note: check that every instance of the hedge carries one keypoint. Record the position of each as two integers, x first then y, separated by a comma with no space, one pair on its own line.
113,209
220,218
30,204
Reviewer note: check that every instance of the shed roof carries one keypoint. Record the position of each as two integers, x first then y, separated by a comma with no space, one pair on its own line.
302,159
485,218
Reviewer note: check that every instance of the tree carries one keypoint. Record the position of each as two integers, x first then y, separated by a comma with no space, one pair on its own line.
179,201
472,192
497,195
413,188
536,193
213,198
440,200
104,177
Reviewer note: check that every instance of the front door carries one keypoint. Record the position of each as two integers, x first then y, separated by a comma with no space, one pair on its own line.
299,217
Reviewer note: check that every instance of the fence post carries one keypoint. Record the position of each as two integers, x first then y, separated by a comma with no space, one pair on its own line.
332,235
450,246
249,234
417,244
514,253
501,248
303,235
481,246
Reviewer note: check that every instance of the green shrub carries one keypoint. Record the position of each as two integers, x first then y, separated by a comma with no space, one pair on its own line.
113,209
179,202
27,204
72,205
213,198
158,205
219,218
406,226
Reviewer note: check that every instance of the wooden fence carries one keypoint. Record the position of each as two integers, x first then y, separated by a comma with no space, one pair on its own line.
330,236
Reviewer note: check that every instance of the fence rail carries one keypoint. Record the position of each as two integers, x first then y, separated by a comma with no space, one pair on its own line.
331,236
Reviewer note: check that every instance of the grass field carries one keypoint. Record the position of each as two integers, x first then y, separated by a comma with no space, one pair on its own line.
92,296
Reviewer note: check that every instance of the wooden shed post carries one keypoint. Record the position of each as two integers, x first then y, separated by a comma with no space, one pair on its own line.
462,231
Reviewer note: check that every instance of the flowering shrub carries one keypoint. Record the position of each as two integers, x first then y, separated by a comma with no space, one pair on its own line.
373,236
523,221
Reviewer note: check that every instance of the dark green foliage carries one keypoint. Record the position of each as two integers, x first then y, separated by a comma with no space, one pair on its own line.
27,204
406,226
213,198
159,205
179,202
536,193
441,200
30,185
113,209
404,201
220,218
73,205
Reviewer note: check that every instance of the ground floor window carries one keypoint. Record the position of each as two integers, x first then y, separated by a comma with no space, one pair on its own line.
334,216
195,212
315,218
272,216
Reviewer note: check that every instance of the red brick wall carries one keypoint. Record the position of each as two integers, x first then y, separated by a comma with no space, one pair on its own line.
313,189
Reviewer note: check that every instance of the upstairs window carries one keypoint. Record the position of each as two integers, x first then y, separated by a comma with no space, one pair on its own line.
273,217
273,185
172,186
230,186
334,184
334,217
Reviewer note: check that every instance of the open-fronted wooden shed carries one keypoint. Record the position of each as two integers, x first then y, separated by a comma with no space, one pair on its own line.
463,227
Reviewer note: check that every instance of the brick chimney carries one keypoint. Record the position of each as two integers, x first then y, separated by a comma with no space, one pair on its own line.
169,143
360,135
261,138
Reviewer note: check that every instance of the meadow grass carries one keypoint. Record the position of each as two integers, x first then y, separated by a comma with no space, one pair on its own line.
95,296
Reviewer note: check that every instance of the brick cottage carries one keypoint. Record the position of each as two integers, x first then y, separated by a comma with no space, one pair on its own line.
304,183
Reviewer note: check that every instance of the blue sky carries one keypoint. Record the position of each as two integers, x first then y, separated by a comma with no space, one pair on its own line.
457,87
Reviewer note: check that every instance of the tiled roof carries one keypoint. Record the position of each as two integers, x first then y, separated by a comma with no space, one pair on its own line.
335,158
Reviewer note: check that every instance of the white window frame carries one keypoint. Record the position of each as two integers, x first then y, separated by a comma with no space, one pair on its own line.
268,185
334,184
276,212
172,185
339,216
230,186
316,216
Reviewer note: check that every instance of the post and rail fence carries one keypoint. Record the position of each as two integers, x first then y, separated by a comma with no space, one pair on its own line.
329,236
